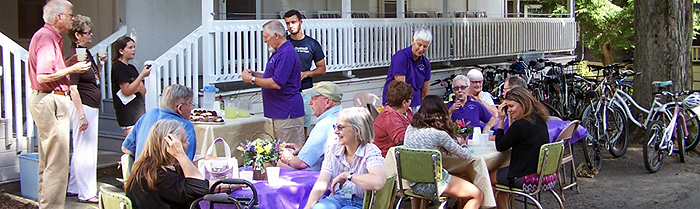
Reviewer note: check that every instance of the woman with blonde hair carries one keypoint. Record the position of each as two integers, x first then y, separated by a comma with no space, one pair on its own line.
163,176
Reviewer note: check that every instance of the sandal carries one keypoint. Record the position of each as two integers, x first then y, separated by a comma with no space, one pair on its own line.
93,200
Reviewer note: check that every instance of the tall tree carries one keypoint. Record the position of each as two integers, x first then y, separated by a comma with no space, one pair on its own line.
663,30
605,25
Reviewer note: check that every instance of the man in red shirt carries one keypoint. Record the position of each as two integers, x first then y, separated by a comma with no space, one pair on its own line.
50,103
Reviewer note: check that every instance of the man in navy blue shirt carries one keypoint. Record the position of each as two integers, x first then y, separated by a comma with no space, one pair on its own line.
309,51
175,104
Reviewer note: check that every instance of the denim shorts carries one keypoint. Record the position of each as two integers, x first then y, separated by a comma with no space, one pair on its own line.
428,189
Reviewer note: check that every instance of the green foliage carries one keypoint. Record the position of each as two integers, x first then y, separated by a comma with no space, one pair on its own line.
603,22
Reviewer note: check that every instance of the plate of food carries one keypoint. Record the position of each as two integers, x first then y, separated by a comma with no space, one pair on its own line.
201,116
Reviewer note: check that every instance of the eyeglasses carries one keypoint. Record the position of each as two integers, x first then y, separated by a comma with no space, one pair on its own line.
88,32
338,127
477,82
455,88
71,14
188,104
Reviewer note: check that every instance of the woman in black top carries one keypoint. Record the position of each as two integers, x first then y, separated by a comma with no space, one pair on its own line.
126,82
86,96
525,136
163,176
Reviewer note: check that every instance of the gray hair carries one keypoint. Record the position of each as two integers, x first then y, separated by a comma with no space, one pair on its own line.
275,27
78,24
475,74
515,81
461,77
360,121
175,95
423,33
54,7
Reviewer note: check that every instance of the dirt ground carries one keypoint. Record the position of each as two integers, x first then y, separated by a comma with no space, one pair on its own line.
625,183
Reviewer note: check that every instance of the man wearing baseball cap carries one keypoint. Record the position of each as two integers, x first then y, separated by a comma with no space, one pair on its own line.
325,104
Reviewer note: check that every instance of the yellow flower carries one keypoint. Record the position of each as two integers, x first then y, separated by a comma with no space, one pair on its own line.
268,147
239,148
259,149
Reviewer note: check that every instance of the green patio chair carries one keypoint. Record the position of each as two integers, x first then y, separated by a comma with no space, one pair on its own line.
420,166
126,162
568,157
549,161
113,200
383,198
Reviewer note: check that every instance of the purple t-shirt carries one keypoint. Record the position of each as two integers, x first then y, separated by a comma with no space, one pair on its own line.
471,111
283,68
416,71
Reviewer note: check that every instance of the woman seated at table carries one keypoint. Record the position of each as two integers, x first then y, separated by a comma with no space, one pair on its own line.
351,166
525,136
432,128
466,107
390,125
164,177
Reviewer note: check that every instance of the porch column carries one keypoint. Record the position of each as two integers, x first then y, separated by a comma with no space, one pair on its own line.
346,9
400,9
444,9
258,9
571,8
207,50
517,8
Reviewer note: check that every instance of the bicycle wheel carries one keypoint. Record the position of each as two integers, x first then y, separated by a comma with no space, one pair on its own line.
680,139
651,150
617,131
592,149
693,123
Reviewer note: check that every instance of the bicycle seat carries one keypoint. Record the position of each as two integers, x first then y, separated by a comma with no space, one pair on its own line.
662,83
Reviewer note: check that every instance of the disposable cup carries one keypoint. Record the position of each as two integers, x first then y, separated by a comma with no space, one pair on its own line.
273,175
247,175
82,53
484,140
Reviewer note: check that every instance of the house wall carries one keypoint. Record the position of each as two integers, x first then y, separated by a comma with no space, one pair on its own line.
157,25
492,8
273,7
103,14
424,6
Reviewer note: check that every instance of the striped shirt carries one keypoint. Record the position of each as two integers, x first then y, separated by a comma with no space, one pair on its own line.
366,156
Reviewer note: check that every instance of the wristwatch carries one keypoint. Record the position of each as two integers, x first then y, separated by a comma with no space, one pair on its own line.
350,176
252,80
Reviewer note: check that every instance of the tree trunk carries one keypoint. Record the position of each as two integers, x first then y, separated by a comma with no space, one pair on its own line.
663,30
606,54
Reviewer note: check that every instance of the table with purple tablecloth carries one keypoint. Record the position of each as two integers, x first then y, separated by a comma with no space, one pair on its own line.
290,193
556,126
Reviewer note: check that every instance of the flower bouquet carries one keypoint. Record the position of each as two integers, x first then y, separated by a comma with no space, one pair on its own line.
259,152
462,130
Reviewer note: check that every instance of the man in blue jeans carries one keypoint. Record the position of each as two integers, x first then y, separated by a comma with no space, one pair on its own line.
309,50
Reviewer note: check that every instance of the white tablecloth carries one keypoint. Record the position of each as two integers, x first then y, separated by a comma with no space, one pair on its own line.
234,132
486,159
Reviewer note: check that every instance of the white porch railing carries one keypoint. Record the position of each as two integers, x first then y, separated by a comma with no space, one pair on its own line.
16,88
352,44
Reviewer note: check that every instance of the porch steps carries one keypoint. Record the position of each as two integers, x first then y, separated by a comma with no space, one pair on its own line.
110,134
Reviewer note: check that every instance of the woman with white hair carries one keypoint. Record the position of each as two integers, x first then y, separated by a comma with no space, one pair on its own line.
410,65
351,166
464,107
476,79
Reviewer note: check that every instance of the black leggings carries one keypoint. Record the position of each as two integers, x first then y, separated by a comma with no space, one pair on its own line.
502,178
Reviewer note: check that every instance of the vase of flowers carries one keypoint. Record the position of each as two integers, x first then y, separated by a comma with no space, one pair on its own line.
259,154
462,130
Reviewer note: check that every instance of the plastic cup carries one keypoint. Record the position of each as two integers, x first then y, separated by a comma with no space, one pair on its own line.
82,54
273,175
247,175
484,140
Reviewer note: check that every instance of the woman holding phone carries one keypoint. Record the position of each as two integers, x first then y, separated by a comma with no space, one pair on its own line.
128,89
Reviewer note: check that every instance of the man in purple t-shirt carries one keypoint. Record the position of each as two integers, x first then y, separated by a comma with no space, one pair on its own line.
464,108
280,84
411,65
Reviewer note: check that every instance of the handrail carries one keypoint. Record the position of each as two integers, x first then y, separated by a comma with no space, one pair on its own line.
15,88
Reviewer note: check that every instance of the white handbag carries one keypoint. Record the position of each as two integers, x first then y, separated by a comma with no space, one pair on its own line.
215,168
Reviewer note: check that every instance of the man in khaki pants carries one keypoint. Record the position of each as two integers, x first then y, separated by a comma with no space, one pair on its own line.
50,103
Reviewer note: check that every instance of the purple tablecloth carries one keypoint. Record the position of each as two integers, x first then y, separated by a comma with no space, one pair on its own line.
292,192
556,126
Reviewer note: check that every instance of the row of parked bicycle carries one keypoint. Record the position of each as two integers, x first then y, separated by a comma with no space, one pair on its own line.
603,103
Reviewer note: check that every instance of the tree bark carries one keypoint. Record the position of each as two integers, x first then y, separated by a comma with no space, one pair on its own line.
663,30
606,54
